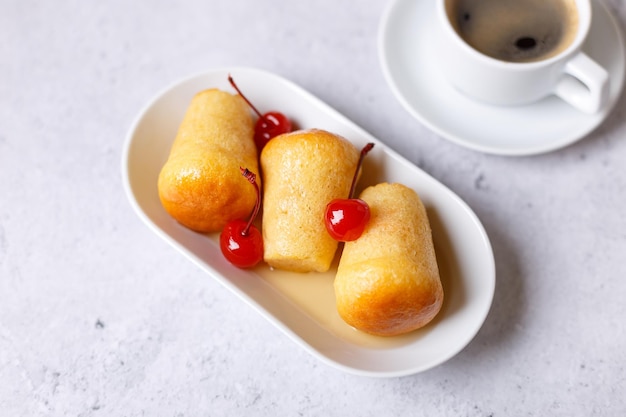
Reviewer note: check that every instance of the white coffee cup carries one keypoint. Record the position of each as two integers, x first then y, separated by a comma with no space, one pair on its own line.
515,52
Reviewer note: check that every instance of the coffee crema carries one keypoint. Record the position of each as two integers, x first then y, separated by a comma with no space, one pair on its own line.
515,30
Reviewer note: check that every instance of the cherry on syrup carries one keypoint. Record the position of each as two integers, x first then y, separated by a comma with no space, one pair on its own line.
268,125
346,218
241,242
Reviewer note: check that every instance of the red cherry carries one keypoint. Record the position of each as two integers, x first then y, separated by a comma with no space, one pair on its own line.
244,250
346,218
268,125
240,241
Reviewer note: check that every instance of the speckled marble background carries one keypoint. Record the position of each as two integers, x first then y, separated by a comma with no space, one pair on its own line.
100,317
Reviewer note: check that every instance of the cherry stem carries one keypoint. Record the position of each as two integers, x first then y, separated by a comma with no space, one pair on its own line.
251,177
232,82
364,152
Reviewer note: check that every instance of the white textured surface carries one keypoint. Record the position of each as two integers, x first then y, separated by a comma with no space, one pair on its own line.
98,316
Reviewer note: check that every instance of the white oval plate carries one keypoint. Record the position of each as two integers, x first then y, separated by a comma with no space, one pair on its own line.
407,55
464,253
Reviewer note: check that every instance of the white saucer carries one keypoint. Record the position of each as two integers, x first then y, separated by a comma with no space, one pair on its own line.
406,51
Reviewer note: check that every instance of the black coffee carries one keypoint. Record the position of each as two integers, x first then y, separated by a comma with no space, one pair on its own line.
515,30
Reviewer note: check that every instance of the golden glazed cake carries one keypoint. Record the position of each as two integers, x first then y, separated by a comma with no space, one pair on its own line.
387,281
201,185
302,172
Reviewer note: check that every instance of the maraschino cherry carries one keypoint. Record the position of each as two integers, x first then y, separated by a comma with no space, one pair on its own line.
241,242
346,218
268,125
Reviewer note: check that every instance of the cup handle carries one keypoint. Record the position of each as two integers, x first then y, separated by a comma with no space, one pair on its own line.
585,84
